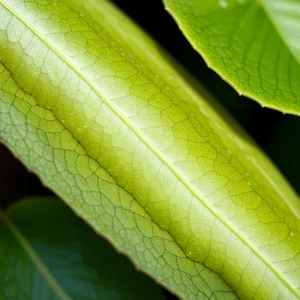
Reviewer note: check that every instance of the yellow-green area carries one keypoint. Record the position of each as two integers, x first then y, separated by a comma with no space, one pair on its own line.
100,113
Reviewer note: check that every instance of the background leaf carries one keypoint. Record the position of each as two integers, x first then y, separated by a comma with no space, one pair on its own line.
132,148
48,253
285,15
239,41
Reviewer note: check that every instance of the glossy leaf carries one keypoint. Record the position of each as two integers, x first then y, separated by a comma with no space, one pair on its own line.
110,123
285,15
254,45
48,253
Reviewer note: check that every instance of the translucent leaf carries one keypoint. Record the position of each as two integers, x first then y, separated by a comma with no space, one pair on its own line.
118,130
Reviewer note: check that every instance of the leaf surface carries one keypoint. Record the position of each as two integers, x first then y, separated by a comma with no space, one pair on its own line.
49,253
285,16
253,45
110,123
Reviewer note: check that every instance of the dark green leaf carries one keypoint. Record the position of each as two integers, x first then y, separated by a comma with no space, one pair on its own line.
48,253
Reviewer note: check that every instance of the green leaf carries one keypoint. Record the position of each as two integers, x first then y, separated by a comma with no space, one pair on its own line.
110,123
285,15
252,44
48,253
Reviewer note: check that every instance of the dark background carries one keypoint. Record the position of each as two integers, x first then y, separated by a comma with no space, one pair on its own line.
276,134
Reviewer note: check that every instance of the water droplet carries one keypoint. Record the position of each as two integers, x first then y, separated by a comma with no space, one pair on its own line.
229,152
291,234
249,183
81,15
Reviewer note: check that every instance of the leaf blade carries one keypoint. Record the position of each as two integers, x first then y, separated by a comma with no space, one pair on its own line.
239,42
68,262
285,16
55,288
86,152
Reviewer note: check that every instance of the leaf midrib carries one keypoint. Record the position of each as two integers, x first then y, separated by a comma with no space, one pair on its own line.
146,142
35,258
41,178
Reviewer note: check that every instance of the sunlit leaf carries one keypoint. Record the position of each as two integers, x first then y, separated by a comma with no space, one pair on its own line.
252,44
108,122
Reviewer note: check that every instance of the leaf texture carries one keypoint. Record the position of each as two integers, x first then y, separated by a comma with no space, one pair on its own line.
253,45
107,121
285,15
48,253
